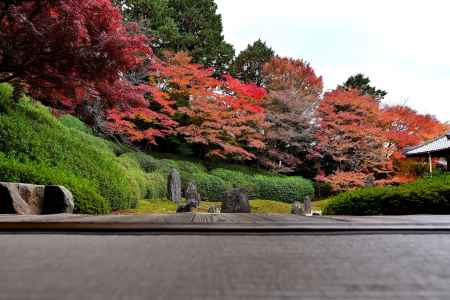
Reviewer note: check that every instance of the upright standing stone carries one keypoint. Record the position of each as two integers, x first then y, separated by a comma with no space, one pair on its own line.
236,201
174,186
192,195
297,208
307,205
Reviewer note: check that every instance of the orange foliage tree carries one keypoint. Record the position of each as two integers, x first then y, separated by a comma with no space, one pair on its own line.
406,127
222,117
351,131
294,93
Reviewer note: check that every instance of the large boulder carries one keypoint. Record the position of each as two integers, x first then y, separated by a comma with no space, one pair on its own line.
33,196
174,186
57,200
10,200
29,199
236,201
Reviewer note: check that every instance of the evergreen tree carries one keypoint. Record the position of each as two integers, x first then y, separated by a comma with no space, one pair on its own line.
248,66
183,25
362,83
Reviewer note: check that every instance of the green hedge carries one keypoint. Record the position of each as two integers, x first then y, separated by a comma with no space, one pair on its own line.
87,199
274,187
426,196
285,189
31,135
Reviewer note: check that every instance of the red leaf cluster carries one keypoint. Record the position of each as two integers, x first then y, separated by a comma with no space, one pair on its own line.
67,52
223,115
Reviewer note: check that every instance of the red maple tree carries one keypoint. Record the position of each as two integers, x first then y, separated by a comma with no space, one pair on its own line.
406,127
69,52
223,116
351,133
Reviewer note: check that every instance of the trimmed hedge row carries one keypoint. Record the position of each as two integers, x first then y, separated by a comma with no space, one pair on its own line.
280,188
426,196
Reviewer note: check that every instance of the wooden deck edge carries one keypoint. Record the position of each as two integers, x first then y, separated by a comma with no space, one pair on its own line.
214,229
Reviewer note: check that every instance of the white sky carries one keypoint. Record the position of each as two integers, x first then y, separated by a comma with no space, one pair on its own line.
402,45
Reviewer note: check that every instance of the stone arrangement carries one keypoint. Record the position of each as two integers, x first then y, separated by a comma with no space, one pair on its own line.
297,208
214,210
187,208
192,195
174,186
307,205
236,201
29,199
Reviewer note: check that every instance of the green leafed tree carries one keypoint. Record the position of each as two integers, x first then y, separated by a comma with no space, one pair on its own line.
155,18
192,26
362,83
248,66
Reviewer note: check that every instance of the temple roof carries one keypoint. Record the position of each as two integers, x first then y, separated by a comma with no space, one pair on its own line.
440,144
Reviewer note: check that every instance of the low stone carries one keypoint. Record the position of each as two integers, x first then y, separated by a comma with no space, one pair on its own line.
307,205
214,210
174,186
10,200
236,201
187,208
192,195
57,200
297,208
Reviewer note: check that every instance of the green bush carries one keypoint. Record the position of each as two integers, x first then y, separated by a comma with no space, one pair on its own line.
270,187
238,179
211,188
157,185
74,123
426,196
30,133
6,93
285,189
87,199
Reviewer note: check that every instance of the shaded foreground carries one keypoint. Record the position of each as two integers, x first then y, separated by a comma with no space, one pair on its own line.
224,267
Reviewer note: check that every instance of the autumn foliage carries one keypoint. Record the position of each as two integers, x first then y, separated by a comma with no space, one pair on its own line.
69,52
224,116
77,57
359,140
294,93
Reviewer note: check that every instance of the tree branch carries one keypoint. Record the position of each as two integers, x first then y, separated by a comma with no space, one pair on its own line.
8,78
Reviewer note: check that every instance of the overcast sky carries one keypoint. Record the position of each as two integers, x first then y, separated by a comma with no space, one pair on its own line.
402,45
